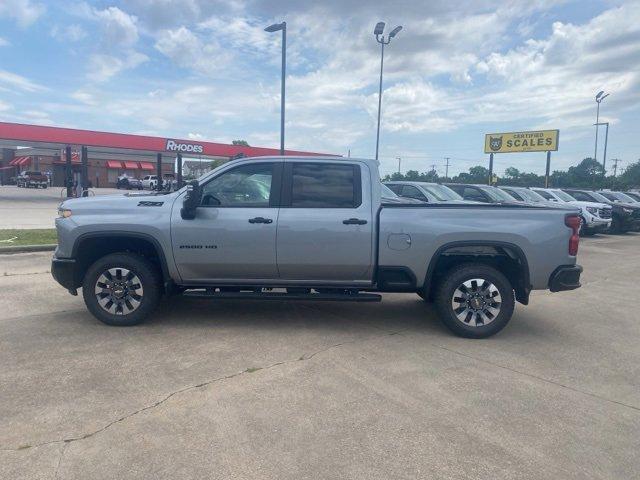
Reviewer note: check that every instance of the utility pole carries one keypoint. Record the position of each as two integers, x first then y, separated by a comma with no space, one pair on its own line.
615,166
446,166
399,163
433,167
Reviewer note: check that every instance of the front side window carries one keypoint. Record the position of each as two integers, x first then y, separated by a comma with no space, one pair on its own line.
243,186
514,194
581,197
324,185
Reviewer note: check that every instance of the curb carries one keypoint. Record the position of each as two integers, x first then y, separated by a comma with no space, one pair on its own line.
27,248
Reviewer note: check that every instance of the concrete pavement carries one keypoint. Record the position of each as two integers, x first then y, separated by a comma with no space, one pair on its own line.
33,207
322,390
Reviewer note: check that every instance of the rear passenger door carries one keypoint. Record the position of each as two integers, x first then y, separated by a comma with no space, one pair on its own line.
325,226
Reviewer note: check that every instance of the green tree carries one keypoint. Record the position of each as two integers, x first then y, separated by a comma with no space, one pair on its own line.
242,143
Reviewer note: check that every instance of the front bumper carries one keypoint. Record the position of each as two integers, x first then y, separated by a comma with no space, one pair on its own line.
598,224
565,277
64,272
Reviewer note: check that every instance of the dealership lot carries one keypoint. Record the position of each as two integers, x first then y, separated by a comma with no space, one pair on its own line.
34,207
322,390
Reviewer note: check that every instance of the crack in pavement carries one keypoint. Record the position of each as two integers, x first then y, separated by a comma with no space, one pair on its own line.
6,274
542,379
67,441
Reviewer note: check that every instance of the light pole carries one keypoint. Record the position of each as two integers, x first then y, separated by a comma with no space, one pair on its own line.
378,30
599,98
275,28
399,163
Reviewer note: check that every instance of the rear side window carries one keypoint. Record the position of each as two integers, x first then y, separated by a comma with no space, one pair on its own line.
325,185
546,195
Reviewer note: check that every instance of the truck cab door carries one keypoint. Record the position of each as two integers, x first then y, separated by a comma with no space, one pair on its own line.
233,235
326,226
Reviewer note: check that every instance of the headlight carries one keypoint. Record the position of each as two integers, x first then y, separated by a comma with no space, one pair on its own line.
592,210
64,212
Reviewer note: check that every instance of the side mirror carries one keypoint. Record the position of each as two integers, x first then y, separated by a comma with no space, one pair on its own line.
191,201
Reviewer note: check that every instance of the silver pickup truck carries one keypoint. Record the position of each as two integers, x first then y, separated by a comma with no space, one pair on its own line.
310,229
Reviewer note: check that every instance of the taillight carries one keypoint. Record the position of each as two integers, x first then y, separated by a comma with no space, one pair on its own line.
573,222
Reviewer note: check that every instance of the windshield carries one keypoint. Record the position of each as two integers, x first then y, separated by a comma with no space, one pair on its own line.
442,192
565,197
530,195
624,197
387,192
598,197
498,195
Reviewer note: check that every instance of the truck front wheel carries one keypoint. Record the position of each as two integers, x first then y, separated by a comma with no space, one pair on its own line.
475,300
121,289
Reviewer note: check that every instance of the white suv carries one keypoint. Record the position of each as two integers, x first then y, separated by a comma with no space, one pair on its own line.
149,182
596,217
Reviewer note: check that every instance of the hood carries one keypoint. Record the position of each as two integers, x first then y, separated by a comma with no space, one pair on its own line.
590,204
118,203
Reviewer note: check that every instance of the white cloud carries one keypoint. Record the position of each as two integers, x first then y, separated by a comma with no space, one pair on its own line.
102,67
24,12
71,33
4,42
19,82
118,27
187,50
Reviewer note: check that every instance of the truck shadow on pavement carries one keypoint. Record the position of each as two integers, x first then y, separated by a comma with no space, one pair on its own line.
394,314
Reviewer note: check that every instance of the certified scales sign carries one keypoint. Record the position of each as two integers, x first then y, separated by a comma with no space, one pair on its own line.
535,141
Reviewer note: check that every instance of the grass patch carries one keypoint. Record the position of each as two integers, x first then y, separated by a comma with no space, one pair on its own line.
38,236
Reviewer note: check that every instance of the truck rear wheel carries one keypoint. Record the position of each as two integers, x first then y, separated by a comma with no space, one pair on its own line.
475,300
121,289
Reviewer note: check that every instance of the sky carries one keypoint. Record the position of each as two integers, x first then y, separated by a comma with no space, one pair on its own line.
206,69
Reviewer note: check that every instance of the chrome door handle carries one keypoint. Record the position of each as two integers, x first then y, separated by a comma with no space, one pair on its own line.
354,221
260,220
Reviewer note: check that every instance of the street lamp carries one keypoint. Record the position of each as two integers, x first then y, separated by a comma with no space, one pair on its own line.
275,28
378,32
599,98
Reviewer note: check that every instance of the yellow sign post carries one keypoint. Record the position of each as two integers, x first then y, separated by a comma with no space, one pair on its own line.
531,141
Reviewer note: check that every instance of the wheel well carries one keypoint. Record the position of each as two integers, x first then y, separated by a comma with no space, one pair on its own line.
90,249
505,258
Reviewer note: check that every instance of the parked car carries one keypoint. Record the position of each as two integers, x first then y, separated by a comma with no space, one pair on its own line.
149,182
129,183
596,216
481,193
424,191
625,217
32,178
316,227
524,195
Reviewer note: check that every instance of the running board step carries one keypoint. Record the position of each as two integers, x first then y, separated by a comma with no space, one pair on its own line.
312,297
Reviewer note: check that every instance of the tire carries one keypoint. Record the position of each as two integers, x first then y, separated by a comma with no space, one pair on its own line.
497,307
140,301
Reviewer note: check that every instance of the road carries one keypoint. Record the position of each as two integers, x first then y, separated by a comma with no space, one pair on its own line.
34,207
322,390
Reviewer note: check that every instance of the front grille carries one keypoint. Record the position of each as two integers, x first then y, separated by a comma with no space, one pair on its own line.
604,213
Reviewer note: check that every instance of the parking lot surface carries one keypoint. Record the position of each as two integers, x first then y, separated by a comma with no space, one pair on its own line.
34,207
322,390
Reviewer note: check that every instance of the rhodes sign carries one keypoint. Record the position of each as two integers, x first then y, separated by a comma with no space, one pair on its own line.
536,141
183,147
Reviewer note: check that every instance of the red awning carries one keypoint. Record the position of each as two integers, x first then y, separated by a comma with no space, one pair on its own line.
131,165
24,161
114,164
146,166
19,161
